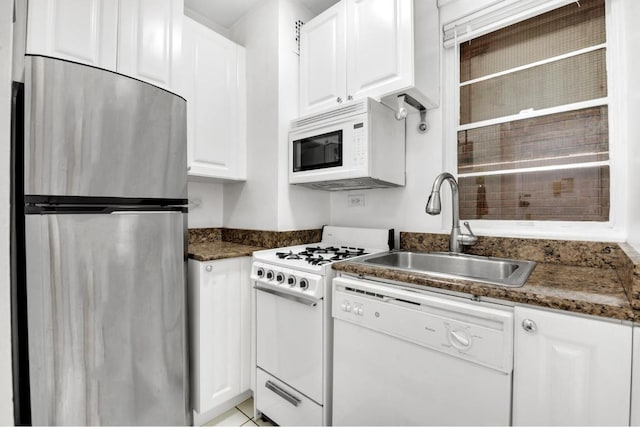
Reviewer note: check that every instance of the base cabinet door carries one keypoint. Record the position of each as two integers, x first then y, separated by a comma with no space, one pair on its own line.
570,370
635,389
220,316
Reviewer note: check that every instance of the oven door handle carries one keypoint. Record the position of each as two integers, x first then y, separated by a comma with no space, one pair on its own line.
282,393
305,301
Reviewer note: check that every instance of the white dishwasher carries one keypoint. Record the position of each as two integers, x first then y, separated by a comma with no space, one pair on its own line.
409,357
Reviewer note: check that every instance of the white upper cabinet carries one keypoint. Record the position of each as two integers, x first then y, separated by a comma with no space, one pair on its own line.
150,40
570,370
323,60
370,48
84,31
213,82
380,46
137,38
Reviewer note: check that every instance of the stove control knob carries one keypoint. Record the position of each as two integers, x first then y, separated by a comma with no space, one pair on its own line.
280,278
270,275
291,281
260,272
304,284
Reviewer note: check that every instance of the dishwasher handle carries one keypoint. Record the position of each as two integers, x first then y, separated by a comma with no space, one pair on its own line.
282,393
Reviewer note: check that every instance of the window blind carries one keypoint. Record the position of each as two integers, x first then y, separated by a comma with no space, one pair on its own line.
496,16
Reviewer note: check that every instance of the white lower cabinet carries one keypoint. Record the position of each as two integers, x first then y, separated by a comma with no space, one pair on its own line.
220,323
570,370
635,389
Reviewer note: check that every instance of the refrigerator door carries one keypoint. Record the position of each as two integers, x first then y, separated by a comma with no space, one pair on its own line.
107,318
92,132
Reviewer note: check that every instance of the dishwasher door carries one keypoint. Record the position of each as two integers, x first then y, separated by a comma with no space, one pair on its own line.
403,358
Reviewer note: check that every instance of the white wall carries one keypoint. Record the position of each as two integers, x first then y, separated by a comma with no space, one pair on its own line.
205,204
298,207
198,17
402,208
632,121
254,204
265,200
6,387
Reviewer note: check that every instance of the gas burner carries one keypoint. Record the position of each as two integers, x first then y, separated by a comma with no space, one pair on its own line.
312,251
317,261
287,255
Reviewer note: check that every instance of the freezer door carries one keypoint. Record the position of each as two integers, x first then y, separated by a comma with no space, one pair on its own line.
106,318
91,132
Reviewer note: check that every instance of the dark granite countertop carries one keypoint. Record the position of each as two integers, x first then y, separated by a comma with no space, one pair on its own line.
217,249
587,290
208,244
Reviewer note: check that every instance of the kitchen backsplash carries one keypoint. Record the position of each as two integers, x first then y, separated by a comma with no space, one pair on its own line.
263,238
564,252
204,235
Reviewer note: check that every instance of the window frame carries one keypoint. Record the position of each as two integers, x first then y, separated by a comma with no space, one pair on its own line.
612,230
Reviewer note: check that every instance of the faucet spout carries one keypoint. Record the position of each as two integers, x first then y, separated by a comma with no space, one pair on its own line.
458,239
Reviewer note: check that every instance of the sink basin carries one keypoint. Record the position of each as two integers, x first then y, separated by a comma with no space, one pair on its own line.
497,271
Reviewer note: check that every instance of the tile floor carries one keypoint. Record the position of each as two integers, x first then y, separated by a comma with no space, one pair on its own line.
241,415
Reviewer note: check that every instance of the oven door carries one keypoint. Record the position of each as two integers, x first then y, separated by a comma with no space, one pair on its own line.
289,341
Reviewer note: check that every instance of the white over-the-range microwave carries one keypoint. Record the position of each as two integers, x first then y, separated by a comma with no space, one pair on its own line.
359,145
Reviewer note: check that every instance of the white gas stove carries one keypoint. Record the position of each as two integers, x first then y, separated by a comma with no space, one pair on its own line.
294,329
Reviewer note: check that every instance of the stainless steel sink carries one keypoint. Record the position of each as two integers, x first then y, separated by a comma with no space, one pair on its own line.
497,271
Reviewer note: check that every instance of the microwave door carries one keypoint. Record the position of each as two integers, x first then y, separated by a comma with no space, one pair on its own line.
318,151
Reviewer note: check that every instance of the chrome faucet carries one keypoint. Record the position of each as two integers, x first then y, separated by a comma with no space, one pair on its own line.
458,239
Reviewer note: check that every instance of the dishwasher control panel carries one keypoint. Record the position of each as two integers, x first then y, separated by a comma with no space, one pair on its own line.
465,329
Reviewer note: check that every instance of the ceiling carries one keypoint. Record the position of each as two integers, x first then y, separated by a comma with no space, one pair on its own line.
226,12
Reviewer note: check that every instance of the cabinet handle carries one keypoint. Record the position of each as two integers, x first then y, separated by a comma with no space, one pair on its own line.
188,168
349,98
209,268
282,393
529,325
339,100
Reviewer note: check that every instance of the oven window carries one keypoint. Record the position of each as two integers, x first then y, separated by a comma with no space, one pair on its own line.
318,152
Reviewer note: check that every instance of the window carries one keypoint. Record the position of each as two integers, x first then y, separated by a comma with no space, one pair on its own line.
533,133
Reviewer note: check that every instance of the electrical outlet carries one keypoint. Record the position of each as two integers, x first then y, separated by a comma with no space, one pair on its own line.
355,200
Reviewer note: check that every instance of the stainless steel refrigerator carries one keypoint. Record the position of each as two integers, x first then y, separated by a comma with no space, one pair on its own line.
100,249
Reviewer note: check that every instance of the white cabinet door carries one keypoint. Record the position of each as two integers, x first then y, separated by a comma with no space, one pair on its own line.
635,381
84,31
379,47
570,370
323,60
213,77
220,318
150,40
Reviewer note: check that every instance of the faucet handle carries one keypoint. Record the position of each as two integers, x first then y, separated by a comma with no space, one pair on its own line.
470,238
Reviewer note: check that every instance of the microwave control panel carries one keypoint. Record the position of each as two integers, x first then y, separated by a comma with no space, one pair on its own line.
359,145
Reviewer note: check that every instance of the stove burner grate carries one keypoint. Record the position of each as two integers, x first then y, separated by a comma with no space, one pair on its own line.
287,255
